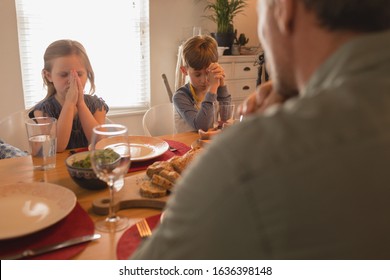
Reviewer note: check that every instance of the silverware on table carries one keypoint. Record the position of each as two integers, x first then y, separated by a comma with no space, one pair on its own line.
172,149
143,228
52,247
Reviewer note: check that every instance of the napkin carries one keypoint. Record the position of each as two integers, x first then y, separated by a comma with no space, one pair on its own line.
130,239
77,223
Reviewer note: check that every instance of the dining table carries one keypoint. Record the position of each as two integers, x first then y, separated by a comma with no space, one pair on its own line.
20,170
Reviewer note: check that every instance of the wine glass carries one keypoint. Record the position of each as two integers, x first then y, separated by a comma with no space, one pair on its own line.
110,159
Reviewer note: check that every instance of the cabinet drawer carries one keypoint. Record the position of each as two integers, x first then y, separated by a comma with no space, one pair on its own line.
245,70
228,68
240,89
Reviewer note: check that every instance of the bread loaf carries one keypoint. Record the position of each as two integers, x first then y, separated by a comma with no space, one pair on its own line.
180,163
157,167
161,182
162,175
172,176
149,190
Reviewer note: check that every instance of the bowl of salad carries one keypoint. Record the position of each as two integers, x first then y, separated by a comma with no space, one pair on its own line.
80,170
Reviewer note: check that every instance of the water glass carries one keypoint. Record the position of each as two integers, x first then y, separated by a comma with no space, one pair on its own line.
223,114
42,137
196,31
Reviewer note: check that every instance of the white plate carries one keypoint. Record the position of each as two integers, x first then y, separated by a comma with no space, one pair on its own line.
29,207
141,147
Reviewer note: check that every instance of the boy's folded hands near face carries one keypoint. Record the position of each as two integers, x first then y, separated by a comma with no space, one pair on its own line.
216,76
217,71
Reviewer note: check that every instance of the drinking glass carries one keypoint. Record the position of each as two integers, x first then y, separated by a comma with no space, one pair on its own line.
42,137
110,159
196,31
215,115
223,115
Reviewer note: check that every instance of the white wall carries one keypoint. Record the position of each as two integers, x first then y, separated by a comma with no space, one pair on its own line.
11,90
171,22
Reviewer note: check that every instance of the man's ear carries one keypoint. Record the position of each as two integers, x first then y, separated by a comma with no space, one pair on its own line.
284,12
47,75
183,70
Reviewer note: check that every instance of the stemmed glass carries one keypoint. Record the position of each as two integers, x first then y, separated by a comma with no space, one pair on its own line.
110,158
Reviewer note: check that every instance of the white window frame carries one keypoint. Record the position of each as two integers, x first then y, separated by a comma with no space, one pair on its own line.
115,35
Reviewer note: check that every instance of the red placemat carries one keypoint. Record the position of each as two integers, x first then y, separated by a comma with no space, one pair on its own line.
77,223
131,239
181,149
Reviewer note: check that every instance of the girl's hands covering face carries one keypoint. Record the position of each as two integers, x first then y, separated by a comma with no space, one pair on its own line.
75,92
69,76
80,89
72,94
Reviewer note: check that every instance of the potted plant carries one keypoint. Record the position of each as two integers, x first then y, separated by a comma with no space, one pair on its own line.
242,40
223,13
239,42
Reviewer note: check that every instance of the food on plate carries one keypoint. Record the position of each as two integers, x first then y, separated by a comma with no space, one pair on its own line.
207,135
162,175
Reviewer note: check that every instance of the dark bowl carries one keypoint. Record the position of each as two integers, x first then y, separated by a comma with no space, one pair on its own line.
84,177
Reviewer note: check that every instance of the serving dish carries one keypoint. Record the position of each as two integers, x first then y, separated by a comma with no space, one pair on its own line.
84,177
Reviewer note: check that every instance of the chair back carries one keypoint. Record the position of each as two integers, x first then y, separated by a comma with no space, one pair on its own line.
168,87
108,120
159,120
13,130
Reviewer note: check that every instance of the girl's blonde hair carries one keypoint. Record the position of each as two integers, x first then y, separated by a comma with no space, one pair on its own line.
199,52
63,48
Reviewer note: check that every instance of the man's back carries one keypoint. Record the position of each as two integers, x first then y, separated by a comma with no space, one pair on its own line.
307,181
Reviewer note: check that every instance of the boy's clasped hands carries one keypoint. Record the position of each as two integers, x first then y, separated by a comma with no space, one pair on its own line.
216,76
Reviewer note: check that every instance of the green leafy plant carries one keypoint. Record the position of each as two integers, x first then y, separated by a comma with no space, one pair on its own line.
223,13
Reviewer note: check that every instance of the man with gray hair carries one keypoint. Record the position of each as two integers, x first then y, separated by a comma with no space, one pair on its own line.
309,177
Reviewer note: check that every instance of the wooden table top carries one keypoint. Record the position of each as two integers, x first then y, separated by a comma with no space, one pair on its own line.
21,170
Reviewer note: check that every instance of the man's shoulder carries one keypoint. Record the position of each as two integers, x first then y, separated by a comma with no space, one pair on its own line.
282,134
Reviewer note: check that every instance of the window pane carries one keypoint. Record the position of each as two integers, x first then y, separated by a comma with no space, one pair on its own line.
114,33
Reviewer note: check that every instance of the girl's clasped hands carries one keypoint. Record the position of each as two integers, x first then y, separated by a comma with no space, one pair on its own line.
75,92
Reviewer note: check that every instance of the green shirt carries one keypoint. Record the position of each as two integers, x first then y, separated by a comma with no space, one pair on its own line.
308,180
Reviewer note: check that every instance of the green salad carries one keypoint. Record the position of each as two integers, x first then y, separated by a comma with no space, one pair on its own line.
83,163
106,156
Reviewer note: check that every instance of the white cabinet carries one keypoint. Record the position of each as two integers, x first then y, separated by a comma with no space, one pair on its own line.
241,75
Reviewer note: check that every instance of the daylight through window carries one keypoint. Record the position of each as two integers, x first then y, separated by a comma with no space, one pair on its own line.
114,33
